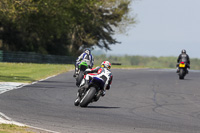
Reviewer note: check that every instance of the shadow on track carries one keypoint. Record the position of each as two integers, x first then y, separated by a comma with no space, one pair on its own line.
103,107
185,79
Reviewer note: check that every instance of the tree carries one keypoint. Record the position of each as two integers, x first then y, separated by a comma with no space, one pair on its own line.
61,27
32,25
103,16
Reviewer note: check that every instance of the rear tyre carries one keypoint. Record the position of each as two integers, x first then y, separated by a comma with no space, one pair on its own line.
88,97
181,74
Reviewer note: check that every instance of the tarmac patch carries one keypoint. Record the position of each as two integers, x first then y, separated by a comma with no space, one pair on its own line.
7,86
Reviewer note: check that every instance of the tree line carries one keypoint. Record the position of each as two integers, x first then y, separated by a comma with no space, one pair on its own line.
61,27
146,61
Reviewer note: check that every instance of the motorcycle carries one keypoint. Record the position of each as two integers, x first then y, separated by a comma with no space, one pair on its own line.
90,94
82,67
182,70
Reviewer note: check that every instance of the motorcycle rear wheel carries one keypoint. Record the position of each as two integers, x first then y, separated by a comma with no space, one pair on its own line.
88,97
181,74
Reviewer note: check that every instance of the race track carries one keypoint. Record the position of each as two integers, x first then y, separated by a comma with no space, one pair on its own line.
139,101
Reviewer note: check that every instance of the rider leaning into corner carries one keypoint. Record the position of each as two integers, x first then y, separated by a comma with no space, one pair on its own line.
86,55
183,57
102,73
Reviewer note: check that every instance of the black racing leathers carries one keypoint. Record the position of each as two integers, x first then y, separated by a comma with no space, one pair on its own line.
184,58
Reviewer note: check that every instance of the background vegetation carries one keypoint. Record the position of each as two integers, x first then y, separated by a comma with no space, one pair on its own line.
30,72
61,27
142,61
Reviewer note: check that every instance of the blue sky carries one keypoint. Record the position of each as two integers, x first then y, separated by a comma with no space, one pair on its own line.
164,28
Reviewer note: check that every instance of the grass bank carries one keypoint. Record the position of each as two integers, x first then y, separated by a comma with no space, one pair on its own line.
30,72
8,128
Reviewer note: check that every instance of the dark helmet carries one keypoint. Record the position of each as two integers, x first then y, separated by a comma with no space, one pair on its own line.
87,51
183,51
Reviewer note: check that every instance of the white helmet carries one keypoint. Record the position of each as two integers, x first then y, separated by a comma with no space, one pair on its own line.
106,64
87,51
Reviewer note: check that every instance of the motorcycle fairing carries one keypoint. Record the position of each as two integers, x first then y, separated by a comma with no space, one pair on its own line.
83,65
182,65
98,82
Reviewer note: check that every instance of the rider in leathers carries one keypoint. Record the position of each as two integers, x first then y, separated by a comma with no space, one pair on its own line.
102,73
86,55
183,57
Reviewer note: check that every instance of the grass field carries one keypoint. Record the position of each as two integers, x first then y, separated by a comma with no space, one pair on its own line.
29,72
8,128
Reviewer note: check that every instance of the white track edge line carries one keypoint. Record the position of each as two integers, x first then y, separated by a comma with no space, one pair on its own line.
10,121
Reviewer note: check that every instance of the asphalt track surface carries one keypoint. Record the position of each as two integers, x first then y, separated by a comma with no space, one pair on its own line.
140,101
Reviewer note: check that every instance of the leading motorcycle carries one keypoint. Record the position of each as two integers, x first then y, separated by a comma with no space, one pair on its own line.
82,67
182,70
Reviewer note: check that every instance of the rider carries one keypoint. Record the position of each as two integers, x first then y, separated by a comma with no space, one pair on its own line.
86,55
183,57
102,73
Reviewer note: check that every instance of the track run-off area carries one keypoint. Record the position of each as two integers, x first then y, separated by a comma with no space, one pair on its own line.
139,101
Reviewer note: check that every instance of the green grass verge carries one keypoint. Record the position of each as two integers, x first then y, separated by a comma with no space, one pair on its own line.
10,128
30,72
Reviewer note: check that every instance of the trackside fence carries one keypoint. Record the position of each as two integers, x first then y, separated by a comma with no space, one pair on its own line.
31,57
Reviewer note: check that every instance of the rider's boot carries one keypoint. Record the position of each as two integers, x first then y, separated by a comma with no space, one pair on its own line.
79,95
177,70
103,92
74,75
76,71
82,88
86,85
100,93
96,98
78,99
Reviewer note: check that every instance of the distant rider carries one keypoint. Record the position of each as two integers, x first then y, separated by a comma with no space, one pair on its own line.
183,57
102,73
86,55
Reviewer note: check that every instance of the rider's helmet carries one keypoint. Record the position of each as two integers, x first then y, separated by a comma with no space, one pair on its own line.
87,51
106,64
183,51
